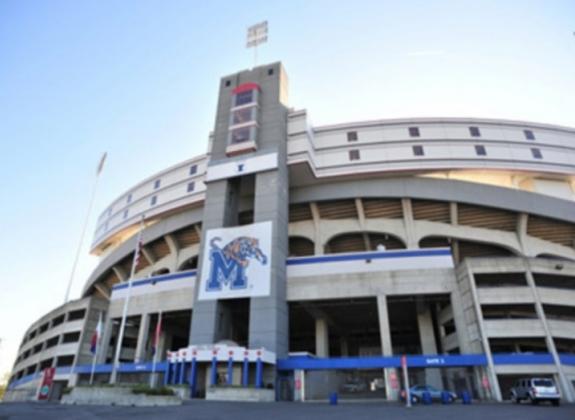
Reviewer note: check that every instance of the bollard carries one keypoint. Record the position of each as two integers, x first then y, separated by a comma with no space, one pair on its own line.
426,398
465,398
333,398
445,397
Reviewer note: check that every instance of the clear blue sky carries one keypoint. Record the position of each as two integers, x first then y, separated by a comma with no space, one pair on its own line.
139,79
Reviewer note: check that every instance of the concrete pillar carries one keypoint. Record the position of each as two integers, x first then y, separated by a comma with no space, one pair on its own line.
459,321
455,251
390,374
140,355
321,338
203,328
106,336
494,390
120,273
408,223
425,325
428,344
521,232
453,213
318,238
269,315
566,388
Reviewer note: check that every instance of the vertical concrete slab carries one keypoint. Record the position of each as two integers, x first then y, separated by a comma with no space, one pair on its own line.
140,354
218,212
390,374
321,338
566,388
428,344
106,337
269,315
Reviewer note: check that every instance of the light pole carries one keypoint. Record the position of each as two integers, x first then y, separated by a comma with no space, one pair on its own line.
87,219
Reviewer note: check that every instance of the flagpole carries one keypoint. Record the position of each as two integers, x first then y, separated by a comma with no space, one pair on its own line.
94,357
156,348
86,220
114,375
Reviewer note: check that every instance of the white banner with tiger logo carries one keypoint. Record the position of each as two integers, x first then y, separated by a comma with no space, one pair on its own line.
236,262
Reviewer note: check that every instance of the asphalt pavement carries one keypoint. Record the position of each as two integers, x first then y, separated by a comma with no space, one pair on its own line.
207,410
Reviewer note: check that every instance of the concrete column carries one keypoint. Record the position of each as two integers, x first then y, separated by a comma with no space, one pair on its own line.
318,237
268,325
408,223
425,325
106,336
140,355
120,273
455,250
390,374
172,244
453,213
521,232
360,213
203,328
321,338
566,388
148,255
495,391
428,344
459,321
384,330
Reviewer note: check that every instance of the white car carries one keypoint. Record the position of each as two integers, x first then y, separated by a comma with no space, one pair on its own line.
535,390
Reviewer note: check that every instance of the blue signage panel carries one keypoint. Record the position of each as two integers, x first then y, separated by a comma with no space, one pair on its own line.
567,359
522,359
374,362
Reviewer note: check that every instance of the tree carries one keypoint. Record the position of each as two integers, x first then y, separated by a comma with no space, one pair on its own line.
3,385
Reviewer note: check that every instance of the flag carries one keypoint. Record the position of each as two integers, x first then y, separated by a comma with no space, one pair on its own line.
96,336
101,164
138,253
156,340
139,246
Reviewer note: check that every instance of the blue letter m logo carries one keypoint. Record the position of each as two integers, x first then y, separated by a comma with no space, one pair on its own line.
228,265
225,272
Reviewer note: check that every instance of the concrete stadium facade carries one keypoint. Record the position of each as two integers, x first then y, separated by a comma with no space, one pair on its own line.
422,236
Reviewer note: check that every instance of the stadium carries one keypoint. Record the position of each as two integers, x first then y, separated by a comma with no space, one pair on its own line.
301,260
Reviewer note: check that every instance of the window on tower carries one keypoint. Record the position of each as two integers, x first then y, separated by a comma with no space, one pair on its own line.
241,134
244,115
244,98
243,120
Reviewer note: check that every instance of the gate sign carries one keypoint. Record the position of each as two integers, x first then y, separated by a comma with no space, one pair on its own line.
236,262
47,380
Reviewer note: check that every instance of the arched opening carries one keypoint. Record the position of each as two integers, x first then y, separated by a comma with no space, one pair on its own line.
462,249
160,272
435,242
189,264
300,247
363,241
480,249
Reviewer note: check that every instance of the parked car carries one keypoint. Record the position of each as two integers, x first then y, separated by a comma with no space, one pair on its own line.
417,391
535,390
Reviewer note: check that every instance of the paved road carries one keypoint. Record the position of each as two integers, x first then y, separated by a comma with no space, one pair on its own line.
204,410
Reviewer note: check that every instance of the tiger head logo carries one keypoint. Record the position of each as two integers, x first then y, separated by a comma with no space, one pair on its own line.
229,264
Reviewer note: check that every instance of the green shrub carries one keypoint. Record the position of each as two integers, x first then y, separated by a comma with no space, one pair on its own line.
146,390
67,390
